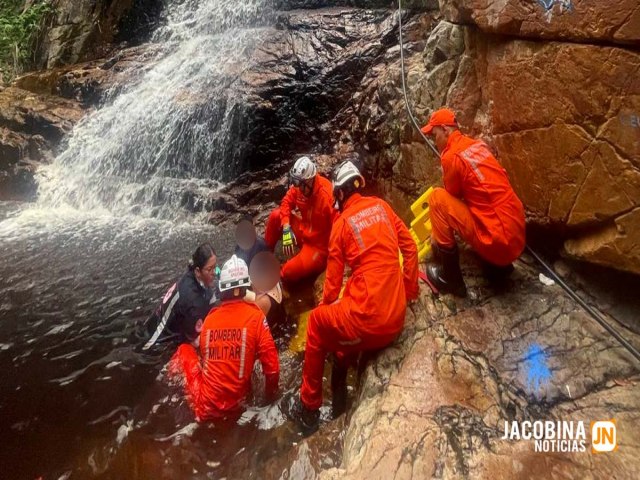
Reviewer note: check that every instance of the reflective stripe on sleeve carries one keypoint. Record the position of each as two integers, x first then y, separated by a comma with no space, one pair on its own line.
162,324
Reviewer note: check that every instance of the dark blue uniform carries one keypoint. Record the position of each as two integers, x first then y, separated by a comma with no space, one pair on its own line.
180,315
247,255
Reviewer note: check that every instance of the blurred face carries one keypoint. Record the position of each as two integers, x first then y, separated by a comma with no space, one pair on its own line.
264,271
245,235
440,135
207,273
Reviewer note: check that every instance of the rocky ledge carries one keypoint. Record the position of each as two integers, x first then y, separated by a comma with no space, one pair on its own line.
434,404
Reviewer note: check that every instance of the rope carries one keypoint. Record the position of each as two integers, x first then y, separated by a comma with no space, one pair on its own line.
404,86
594,314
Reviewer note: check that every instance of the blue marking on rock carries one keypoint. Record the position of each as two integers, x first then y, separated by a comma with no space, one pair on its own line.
536,368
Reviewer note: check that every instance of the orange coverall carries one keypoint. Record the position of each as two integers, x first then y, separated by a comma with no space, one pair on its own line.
370,314
478,202
232,336
312,230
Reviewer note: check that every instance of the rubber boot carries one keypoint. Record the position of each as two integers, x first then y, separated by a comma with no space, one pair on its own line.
496,273
339,372
444,272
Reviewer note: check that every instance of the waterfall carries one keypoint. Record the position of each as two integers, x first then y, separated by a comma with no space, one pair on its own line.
172,135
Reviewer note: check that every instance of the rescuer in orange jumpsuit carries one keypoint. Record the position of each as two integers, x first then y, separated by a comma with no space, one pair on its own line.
477,202
304,218
367,236
233,335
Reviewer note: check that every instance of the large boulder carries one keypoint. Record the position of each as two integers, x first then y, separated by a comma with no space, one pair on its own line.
577,20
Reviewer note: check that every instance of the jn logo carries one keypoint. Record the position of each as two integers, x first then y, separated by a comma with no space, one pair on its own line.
604,436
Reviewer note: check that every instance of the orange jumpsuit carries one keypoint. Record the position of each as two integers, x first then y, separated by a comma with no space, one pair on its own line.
478,202
311,231
232,336
370,314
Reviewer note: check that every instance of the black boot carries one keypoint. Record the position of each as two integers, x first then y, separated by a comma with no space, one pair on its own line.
338,388
308,420
496,273
444,272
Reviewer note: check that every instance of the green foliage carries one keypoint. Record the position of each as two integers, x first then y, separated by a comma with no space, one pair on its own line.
18,29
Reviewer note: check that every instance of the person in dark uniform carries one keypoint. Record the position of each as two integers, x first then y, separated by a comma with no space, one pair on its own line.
180,315
248,242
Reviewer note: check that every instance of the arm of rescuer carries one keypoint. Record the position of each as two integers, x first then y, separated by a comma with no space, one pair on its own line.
335,265
287,204
453,174
409,251
268,356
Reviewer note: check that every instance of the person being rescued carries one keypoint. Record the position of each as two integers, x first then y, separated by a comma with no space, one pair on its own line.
248,243
367,236
303,219
477,202
234,335
266,290
180,315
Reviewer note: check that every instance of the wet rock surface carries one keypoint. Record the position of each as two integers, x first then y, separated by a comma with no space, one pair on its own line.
434,404
91,82
31,125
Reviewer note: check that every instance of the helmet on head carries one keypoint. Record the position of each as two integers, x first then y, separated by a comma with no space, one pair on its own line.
347,179
234,274
303,169
346,176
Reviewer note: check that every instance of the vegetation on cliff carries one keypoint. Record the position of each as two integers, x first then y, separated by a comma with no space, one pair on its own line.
19,25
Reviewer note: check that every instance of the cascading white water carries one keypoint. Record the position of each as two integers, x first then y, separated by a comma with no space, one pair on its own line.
169,133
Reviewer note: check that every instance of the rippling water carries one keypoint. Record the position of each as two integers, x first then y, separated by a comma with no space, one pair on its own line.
75,398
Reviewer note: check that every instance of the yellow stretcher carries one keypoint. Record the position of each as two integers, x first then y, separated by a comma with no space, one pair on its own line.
421,225
299,340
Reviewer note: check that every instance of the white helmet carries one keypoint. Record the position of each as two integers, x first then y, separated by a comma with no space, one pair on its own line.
234,274
303,169
346,174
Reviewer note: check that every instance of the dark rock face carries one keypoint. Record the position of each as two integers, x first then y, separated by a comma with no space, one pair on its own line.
82,30
304,73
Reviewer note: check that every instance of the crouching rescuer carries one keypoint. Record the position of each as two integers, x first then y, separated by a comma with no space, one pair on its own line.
477,202
370,315
218,381
303,219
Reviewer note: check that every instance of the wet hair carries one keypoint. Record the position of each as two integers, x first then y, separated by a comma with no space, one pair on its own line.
201,256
